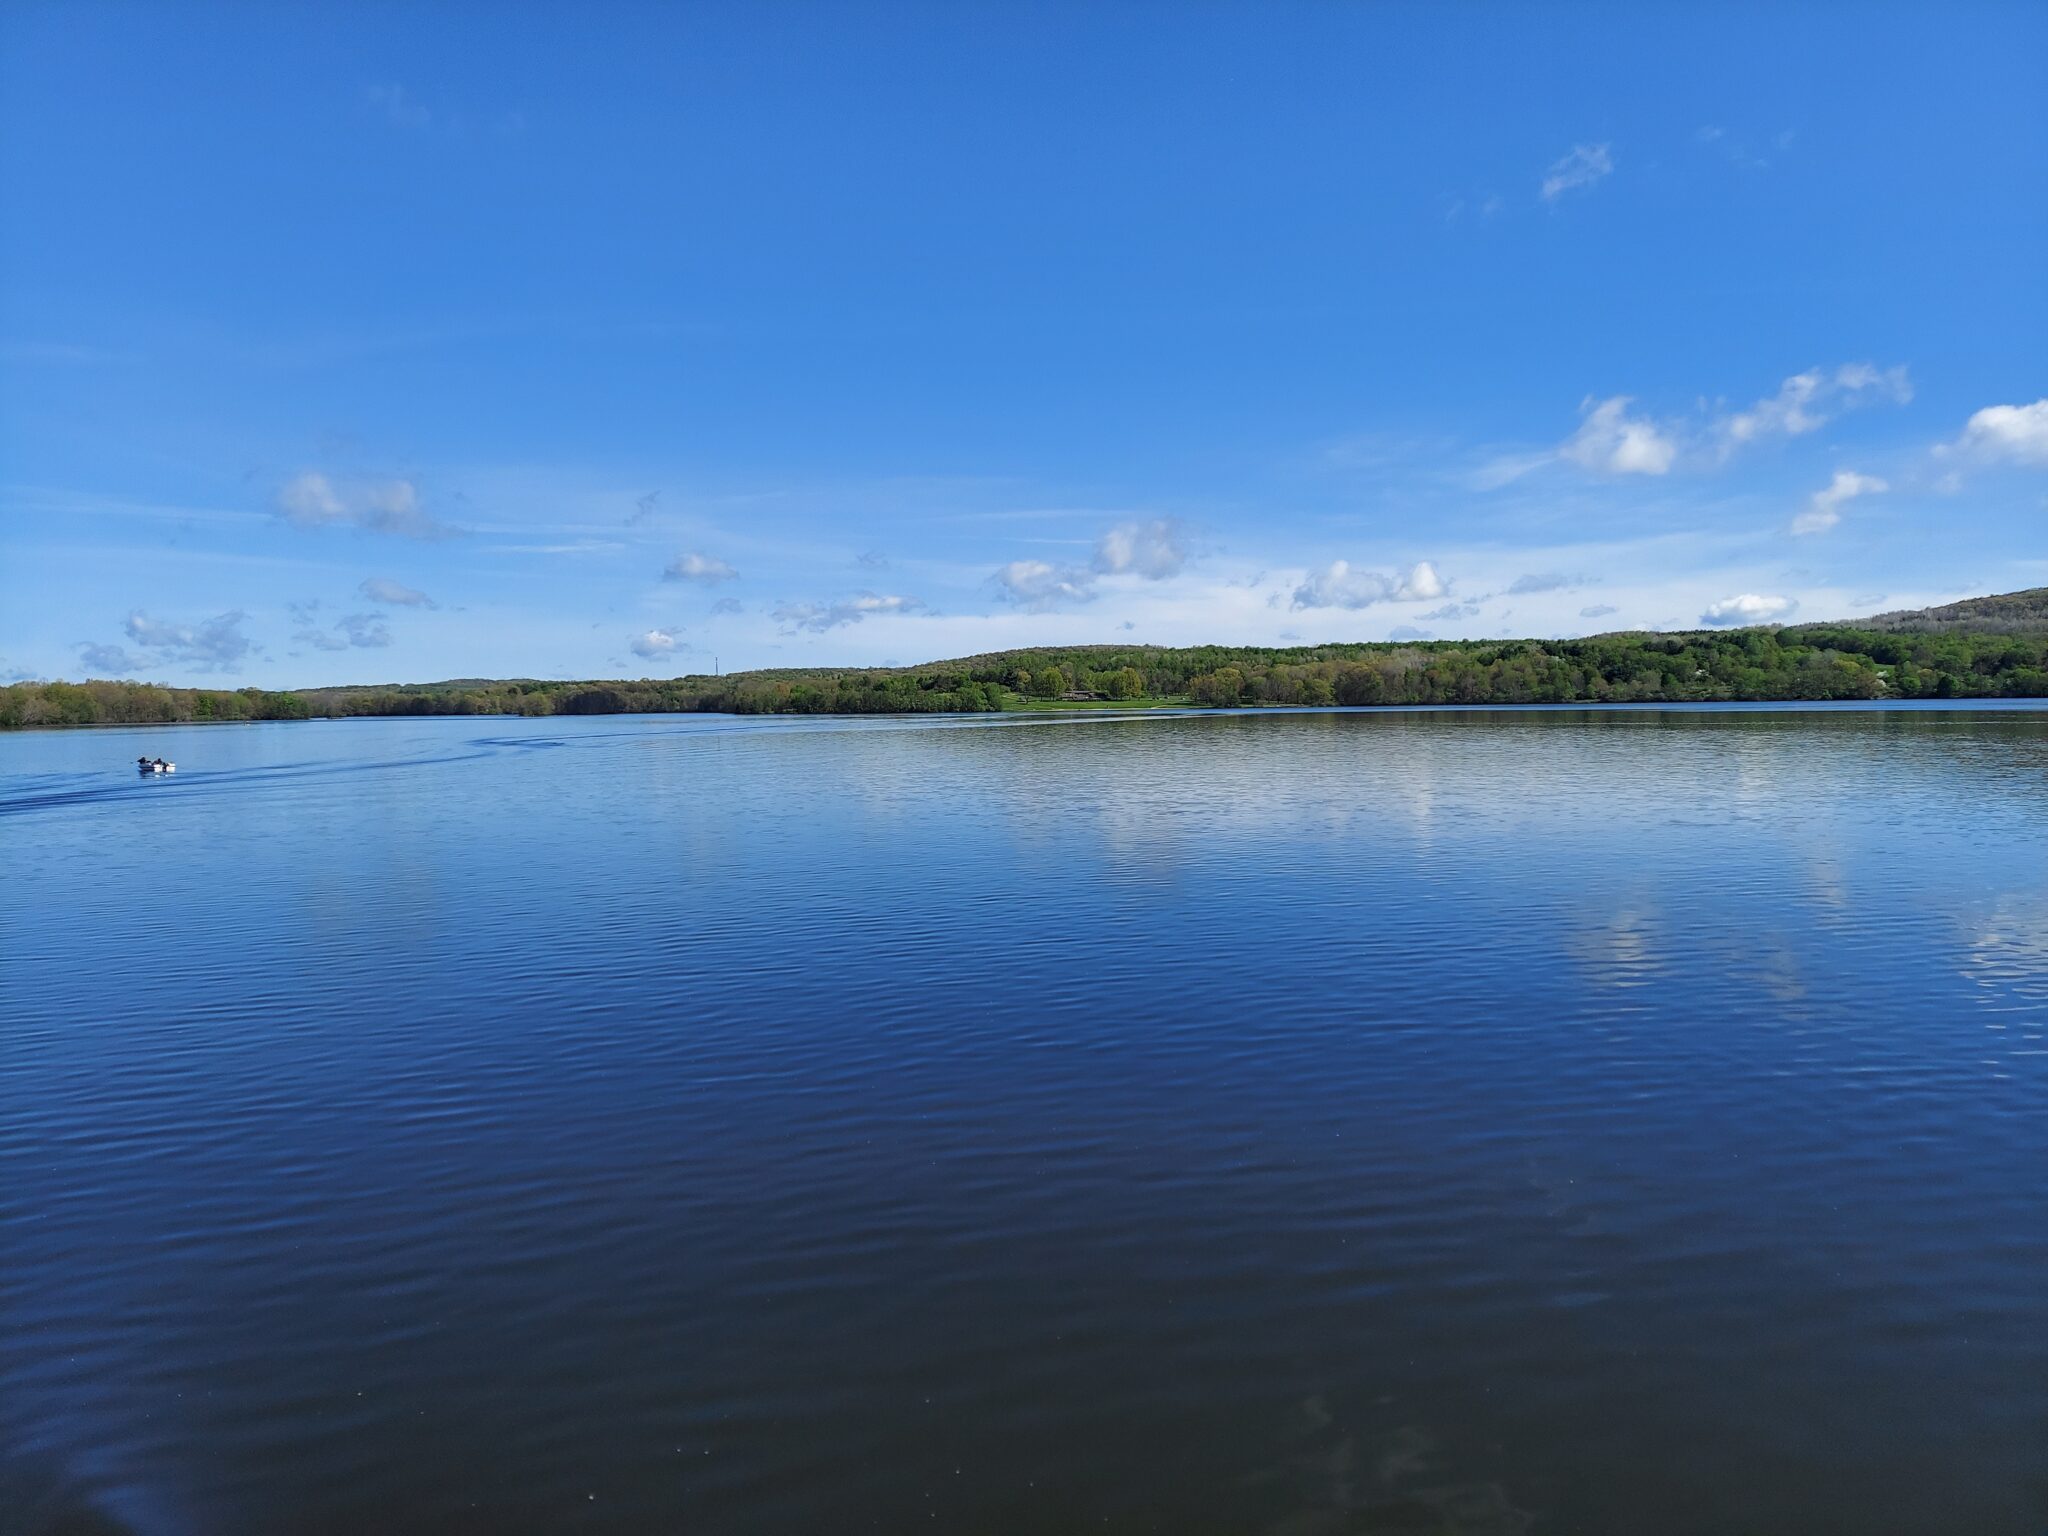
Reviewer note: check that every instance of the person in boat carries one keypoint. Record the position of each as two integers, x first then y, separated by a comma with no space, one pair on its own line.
142,762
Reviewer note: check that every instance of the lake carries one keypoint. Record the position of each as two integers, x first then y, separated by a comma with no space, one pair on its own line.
1469,1122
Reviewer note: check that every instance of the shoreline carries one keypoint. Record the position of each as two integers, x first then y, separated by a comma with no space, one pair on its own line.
1996,703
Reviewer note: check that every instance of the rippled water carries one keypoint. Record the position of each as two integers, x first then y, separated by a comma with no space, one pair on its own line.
1591,1122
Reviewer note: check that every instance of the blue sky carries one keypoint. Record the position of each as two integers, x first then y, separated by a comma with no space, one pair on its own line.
364,343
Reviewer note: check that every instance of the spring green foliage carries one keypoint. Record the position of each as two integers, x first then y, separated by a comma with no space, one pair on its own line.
2005,657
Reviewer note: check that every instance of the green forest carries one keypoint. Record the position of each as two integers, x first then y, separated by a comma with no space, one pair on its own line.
1988,648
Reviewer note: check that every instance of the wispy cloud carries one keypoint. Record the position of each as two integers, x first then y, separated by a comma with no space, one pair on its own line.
312,500
1807,401
1040,584
381,589
1584,165
1613,438
1152,550
1824,509
705,569
819,617
213,645
1611,441
401,109
1598,611
112,659
396,107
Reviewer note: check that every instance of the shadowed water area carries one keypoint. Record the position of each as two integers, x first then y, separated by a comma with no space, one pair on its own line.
1429,1122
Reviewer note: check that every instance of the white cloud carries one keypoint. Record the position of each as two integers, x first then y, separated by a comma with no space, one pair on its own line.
1824,510
308,501
1337,585
215,645
394,507
695,567
381,589
1584,165
109,658
1039,584
1807,401
1612,442
819,617
2015,433
1154,550
653,645
312,500
1749,608
1545,581
363,631
1598,611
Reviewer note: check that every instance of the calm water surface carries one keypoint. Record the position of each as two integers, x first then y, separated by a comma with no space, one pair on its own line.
1466,1123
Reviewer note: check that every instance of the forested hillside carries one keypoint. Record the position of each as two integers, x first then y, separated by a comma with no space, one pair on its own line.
1988,648
2005,613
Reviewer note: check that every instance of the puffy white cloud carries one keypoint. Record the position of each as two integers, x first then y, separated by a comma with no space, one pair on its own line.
1824,509
1337,585
2015,433
707,569
1612,442
1581,166
1154,550
1749,608
381,589
653,645
215,645
819,617
1807,401
1040,584
311,500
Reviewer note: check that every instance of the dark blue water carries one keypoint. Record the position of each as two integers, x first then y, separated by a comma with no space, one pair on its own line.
1462,1123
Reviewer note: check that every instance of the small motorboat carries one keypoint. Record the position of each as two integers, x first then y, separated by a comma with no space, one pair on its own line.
155,765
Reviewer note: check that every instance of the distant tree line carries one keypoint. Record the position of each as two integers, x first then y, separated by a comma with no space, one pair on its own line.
1809,662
